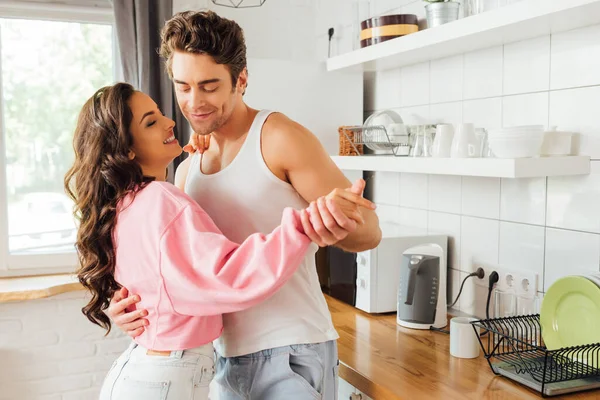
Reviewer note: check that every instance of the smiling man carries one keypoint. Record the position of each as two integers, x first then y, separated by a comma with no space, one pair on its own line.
258,163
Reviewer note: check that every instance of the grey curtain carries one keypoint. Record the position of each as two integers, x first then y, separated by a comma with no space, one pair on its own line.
138,25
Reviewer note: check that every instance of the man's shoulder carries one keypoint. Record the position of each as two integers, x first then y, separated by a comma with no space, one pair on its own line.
283,132
280,122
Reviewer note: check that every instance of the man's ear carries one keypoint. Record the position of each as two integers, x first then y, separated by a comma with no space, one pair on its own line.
242,82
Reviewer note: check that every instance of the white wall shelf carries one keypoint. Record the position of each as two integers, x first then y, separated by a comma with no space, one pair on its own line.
485,167
524,20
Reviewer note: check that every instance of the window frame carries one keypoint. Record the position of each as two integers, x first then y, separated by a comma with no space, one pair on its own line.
12,265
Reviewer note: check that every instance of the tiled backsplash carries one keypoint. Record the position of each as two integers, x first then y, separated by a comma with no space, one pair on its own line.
550,226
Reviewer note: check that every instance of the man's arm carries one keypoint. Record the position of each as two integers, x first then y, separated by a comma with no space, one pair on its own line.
295,155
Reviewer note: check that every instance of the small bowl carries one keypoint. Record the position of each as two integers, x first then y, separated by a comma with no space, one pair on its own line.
557,144
522,147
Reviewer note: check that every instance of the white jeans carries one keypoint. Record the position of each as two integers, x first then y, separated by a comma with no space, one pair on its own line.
185,374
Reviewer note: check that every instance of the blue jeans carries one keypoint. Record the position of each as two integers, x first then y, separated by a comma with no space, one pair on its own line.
297,372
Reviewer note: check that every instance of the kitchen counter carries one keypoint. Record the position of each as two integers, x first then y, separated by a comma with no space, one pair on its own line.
388,362
37,287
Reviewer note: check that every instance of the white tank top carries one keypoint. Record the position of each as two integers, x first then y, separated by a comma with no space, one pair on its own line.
243,198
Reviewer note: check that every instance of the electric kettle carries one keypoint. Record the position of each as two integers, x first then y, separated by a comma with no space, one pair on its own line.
422,288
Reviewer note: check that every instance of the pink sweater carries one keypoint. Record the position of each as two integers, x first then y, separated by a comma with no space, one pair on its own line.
187,273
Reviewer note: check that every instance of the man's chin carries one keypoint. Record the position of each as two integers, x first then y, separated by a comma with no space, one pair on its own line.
204,130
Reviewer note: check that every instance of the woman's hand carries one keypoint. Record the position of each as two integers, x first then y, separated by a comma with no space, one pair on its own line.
198,142
132,323
331,218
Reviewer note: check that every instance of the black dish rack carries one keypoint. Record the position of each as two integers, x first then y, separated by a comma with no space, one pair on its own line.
515,349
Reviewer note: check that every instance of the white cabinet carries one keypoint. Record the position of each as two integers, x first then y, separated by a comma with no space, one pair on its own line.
348,392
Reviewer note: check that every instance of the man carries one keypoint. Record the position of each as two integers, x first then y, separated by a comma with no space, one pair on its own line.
257,163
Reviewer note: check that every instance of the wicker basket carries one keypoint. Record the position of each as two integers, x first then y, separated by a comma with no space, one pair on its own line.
346,148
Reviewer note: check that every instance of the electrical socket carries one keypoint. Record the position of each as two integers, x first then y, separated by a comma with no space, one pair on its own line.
523,283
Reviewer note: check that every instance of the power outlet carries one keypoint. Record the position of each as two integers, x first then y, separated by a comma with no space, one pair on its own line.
522,283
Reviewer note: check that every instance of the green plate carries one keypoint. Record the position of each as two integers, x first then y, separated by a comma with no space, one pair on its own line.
570,313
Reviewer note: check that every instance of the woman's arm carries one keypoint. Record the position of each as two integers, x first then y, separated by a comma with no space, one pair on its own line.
204,273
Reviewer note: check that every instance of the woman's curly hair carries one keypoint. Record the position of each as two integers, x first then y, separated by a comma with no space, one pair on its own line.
101,176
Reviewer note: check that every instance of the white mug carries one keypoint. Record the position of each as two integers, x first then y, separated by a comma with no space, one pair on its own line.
464,144
463,339
442,143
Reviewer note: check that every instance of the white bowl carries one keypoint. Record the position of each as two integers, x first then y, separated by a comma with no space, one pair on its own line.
517,131
557,143
516,147
521,128
515,136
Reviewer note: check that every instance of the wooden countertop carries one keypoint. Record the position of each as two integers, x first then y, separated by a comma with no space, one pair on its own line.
388,362
37,287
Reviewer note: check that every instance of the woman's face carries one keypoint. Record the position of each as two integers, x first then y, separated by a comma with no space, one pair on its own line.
154,143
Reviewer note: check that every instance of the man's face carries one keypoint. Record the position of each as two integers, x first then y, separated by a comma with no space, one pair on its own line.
204,90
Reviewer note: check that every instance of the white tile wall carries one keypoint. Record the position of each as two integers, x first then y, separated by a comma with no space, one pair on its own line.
386,188
382,7
526,109
483,113
522,247
483,73
414,85
481,197
570,253
387,213
527,66
445,193
447,224
479,242
446,112
49,350
576,58
415,115
550,226
575,110
387,92
447,79
412,217
523,200
414,191
573,202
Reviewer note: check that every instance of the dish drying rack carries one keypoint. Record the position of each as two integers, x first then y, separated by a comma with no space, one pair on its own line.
375,137
515,350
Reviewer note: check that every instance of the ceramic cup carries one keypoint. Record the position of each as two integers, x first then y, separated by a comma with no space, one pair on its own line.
464,143
442,144
463,339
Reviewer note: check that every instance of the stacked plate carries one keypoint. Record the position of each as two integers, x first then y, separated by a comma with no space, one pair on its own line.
570,312
516,142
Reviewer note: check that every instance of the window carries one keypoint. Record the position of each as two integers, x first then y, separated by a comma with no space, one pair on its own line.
49,68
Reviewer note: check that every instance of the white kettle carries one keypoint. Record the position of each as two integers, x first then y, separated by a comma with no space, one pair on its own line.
422,288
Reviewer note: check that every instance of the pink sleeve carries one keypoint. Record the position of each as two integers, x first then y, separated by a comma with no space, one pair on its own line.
204,273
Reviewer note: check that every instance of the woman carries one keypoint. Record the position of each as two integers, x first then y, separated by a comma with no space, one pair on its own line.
139,232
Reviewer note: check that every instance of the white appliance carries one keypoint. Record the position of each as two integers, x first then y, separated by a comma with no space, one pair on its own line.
422,288
378,270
